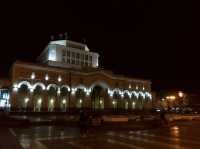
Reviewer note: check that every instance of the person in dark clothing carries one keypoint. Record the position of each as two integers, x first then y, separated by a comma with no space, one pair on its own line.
83,120
163,117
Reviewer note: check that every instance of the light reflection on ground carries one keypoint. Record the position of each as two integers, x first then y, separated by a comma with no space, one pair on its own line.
184,135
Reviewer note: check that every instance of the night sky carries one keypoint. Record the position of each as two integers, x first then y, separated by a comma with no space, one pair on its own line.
156,40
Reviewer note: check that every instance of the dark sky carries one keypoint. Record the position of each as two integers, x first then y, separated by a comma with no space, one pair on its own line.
153,39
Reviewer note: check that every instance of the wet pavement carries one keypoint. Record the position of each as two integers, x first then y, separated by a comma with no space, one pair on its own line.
183,135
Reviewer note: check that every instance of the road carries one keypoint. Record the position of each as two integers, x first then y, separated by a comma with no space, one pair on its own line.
183,135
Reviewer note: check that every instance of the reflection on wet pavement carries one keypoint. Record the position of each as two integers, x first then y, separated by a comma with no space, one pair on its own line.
184,135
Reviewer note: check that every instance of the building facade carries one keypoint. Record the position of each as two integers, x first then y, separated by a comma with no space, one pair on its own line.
68,77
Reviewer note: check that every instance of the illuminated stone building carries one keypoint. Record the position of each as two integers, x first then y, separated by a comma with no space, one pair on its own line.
67,75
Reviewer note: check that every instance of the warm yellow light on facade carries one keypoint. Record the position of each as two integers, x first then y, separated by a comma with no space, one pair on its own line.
26,100
180,94
101,101
39,101
172,97
113,102
46,77
52,101
33,76
59,79
64,101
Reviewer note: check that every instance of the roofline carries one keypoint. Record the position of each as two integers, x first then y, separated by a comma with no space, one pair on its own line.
113,76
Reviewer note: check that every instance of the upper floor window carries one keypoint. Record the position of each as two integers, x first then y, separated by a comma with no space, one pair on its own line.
68,61
77,62
82,57
77,55
73,55
90,58
86,57
68,53
63,59
63,53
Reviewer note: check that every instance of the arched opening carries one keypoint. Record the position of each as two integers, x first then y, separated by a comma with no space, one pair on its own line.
37,98
80,96
97,98
139,103
64,99
23,97
116,103
133,102
126,102
52,93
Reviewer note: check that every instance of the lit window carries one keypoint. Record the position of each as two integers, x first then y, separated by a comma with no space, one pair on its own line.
52,55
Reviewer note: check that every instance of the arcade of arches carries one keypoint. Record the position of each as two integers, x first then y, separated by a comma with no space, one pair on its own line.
44,88
54,98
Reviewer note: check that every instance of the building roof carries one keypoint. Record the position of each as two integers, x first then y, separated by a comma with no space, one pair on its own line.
85,70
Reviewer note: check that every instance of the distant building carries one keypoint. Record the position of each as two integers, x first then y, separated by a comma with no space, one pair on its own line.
68,76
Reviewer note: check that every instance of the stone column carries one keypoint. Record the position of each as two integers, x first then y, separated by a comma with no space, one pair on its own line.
57,103
45,101
31,102
87,102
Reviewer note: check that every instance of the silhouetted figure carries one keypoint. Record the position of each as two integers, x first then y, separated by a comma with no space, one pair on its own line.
163,117
83,123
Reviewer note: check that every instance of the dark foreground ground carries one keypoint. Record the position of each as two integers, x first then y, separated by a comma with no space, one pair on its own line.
182,135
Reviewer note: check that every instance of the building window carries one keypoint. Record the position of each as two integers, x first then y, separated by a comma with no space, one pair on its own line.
73,55
68,53
86,57
82,57
90,58
63,59
77,56
68,61
63,53
73,61
77,62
